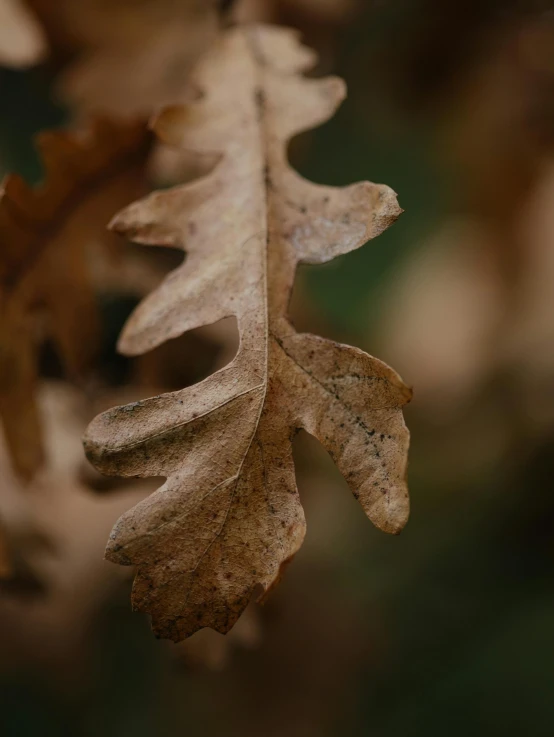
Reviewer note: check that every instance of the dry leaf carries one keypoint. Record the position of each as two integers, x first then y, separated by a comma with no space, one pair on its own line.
131,58
22,41
136,57
57,530
44,233
229,517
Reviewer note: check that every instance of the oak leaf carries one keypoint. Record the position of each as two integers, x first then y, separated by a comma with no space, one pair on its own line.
134,57
56,530
229,517
44,234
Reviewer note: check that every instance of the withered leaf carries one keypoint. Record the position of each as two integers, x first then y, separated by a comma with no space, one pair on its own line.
56,530
22,42
134,57
229,517
44,233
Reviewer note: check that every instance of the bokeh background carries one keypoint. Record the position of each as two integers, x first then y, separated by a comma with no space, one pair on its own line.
447,629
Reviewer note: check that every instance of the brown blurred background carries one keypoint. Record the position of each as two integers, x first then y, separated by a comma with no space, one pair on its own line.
445,630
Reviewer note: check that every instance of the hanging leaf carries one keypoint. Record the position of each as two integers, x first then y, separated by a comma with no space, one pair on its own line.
229,517
44,233
134,57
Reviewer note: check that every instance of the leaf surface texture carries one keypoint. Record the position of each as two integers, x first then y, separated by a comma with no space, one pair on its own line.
229,516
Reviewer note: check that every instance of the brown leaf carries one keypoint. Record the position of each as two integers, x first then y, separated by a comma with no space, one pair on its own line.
22,41
44,233
136,57
229,517
56,532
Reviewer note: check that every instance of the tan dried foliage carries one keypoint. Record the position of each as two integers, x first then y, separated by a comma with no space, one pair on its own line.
134,57
44,233
22,42
57,530
229,517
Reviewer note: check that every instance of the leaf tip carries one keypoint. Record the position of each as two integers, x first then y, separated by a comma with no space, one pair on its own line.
115,552
396,518
126,343
387,210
